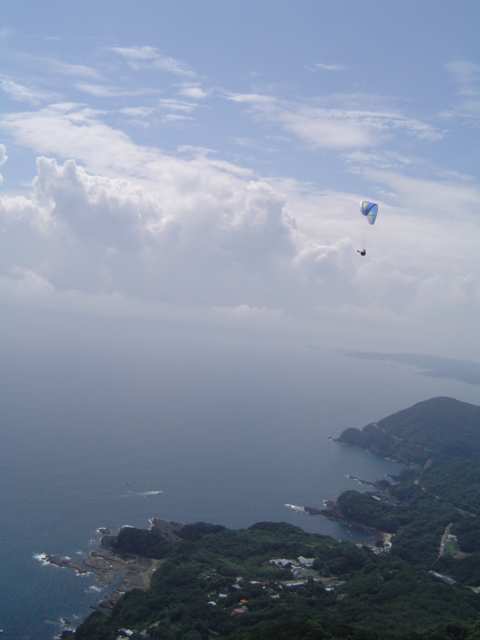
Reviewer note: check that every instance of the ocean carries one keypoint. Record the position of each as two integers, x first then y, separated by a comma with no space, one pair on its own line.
228,431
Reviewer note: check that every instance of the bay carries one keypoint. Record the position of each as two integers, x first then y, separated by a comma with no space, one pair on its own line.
228,429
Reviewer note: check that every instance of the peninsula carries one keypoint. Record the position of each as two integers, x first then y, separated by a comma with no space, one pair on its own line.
419,578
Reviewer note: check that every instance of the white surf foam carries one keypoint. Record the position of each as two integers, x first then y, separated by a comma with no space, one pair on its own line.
295,507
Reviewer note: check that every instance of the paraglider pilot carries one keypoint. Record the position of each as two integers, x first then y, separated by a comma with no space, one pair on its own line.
369,210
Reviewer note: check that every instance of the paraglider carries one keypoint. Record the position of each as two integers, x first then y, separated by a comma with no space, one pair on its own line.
369,210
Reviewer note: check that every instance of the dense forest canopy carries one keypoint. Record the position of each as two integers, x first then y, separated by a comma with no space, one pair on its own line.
440,427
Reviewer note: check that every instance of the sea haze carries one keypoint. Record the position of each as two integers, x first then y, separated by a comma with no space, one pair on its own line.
100,415
434,366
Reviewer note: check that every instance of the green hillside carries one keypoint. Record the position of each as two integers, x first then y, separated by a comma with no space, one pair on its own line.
225,585
419,578
441,427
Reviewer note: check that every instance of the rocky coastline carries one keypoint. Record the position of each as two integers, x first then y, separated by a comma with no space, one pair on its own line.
108,566
331,511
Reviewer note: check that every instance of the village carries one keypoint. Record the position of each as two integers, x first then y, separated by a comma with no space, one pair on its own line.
301,569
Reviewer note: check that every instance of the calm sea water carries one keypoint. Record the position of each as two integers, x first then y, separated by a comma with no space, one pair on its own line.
228,430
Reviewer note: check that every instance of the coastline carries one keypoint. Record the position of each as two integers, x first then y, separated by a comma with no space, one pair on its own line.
108,566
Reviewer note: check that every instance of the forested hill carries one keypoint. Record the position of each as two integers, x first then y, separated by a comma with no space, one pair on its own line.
439,427
274,581
419,578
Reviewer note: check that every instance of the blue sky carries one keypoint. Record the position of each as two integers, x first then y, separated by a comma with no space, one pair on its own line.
203,162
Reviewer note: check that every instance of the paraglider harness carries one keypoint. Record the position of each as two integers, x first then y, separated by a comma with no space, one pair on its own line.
363,252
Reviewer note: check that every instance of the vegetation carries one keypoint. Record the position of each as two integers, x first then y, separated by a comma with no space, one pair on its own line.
440,427
149,544
414,582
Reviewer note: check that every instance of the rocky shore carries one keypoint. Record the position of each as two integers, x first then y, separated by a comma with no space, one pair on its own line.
331,511
108,566
65,563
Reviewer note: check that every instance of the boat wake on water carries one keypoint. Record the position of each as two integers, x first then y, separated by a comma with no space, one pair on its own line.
141,494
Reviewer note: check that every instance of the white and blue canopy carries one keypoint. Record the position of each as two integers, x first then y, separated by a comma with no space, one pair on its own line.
370,210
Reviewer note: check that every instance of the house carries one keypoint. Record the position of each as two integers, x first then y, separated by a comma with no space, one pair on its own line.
240,610
305,562
282,562
294,585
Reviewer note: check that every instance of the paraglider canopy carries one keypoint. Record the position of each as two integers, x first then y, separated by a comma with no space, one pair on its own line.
369,210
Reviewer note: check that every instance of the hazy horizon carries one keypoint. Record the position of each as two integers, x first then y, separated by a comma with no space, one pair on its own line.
182,304
203,163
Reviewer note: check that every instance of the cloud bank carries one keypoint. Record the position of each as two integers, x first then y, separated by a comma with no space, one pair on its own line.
109,223
130,223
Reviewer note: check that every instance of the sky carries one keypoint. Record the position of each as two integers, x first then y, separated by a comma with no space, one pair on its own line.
202,164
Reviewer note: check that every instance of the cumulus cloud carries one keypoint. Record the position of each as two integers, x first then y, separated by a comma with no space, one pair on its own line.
324,262
91,232
382,279
194,231
231,246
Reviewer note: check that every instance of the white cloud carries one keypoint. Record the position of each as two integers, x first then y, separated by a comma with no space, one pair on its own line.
382,279
324,262
22,94
43,64
3,154
386,160
243,312
195,231
137,112
100,91
175,117
193,91
467,77
465,73
453,201
177,105
330,67
150,57
106,91
335,128
67,129
24,283
86,220
73,70
176,111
